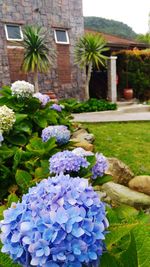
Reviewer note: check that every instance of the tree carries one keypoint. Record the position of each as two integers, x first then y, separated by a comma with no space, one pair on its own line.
37,53
144,38
89,53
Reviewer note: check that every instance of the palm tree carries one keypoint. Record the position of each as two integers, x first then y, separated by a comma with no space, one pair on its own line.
89,53
37,53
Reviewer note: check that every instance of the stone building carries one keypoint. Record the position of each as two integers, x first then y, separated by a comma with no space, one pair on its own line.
63,19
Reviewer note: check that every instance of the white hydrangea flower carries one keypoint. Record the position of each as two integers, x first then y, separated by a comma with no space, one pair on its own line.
79,151
22,89
7,118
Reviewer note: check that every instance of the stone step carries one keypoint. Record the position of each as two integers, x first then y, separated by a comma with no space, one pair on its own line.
52,96
134,108
126,103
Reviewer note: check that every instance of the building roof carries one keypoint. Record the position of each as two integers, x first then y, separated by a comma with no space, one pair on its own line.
118,42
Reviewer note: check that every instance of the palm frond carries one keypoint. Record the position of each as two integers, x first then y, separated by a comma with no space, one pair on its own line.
37,55
90,49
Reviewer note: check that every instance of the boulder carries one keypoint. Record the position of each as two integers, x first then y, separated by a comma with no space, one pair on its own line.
141,184
120,172
84,144
122,194
82,134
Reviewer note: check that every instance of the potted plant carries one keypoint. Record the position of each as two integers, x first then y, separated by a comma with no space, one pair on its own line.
127,91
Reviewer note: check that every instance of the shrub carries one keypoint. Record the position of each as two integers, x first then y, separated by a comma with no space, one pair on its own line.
23,154
90,105
133,71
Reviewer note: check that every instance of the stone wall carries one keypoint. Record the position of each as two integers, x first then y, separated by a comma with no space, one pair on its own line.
64,78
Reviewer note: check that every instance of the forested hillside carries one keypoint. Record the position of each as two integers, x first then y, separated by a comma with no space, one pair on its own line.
109,26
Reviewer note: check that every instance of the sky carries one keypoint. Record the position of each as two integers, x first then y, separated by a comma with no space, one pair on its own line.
132,12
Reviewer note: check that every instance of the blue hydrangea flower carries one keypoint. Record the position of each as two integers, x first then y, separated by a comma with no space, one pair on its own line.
60,222
100,167
44,99
56,107
66,162
60,132
1,138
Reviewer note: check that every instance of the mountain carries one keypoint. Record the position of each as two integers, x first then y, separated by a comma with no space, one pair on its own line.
109,26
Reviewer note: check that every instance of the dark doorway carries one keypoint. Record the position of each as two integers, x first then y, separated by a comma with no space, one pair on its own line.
98,84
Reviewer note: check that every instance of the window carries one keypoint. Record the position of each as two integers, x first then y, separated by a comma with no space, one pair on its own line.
13,32
61,36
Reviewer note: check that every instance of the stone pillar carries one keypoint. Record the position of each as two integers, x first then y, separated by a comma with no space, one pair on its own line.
112,79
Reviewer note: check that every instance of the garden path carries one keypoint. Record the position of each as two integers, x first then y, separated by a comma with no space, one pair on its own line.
135,112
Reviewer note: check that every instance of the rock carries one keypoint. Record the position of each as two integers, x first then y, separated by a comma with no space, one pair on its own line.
141,184
84,144
120,172
82,135
122,194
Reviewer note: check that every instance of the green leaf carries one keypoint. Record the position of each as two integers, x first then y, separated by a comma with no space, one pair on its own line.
6,152
126,213
23,178
5,172
17,158
41,119
2,208
129,256
142,241
18,139
102,180
40,148
24,126
109,260
36,146
12,198
92,160
20,117
6,91
41,173
116,232
4,101
50,145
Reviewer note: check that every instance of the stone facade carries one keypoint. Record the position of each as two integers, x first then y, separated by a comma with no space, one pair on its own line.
64,78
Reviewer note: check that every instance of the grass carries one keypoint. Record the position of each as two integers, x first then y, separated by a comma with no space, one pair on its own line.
129,142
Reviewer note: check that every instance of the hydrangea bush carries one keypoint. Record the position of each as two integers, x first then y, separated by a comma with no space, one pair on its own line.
7,118
60,132
43,98
22,89
59,223
24,156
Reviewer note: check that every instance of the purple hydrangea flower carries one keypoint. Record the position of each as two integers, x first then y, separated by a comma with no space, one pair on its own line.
60,222
1,138
56,107
100,167
44,99
66,162
60,132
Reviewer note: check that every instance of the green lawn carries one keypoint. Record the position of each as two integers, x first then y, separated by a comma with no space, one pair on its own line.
129,142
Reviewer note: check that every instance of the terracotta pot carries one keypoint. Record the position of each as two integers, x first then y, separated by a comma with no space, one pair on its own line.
128,93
